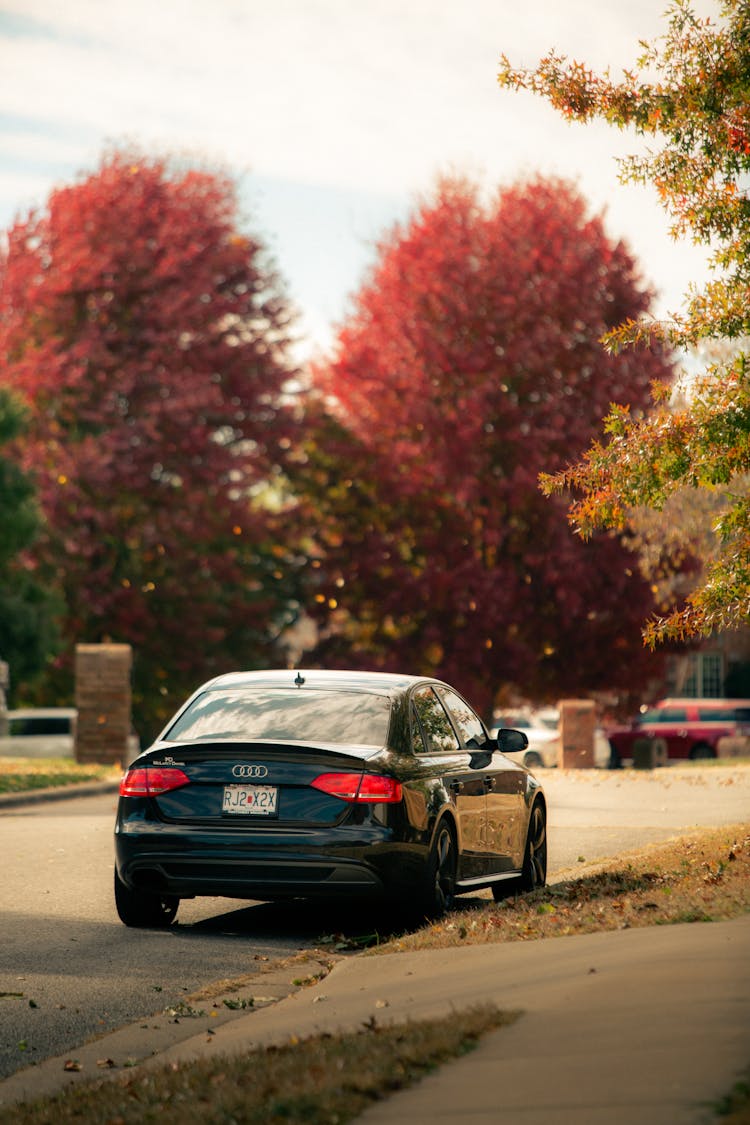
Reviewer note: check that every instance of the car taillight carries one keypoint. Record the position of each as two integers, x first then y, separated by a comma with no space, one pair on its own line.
151,780
359,787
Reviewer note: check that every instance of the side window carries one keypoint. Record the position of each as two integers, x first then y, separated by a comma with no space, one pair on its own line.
417,741
673,715
469,725
663,715
35,725
724,714
436,728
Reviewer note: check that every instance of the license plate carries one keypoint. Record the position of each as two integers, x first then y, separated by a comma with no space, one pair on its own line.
250,800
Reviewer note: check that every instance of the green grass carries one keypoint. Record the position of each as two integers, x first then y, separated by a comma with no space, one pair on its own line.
22,775
707,763
320,1080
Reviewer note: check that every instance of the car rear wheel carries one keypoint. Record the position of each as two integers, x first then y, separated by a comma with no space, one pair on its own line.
139,908
701,752
439,891
534,871
532,760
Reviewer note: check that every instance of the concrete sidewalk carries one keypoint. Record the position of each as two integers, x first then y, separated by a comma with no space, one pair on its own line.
646,1025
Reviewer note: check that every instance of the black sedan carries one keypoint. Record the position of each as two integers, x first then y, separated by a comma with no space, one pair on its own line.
299,784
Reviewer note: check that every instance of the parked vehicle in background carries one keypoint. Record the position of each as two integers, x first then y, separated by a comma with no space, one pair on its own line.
39,732
542,729
690,728
44,732
313,784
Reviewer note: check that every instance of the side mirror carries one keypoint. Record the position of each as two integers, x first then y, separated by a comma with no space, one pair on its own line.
511,741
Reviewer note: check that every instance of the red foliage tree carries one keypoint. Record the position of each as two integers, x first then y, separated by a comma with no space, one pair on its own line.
471,362
149,337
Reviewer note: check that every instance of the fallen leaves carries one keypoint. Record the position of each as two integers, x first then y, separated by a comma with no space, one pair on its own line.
692,879
238,1005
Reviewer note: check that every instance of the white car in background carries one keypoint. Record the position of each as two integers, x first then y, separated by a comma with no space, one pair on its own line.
38,732
44,732
542,728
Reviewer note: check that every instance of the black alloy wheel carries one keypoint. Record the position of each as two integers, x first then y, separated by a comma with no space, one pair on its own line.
532,760
701,752
440,880
534,871
144,910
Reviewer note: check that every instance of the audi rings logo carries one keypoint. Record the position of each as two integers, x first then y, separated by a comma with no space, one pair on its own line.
249,771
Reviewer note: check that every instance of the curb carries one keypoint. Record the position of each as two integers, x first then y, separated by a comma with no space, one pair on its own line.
57,793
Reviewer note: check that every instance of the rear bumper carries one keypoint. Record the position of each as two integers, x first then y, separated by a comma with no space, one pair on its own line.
183,865
249,878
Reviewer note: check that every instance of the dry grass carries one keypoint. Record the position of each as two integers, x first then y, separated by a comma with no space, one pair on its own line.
323,1079
19,775
699,878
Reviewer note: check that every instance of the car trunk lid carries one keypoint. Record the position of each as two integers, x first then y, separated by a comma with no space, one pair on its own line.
262,784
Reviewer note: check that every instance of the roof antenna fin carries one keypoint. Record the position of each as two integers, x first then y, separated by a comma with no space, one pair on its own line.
299,680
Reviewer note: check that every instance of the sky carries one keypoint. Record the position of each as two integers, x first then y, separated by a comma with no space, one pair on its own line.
336,117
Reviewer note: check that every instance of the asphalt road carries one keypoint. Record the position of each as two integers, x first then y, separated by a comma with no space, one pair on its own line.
69,970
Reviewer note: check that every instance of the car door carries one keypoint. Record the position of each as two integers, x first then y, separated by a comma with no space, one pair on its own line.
506,814
436,742
504,783
669,724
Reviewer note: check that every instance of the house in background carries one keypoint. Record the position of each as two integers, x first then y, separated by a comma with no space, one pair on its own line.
719,668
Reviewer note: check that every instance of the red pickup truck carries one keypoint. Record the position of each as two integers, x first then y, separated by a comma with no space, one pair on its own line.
691,728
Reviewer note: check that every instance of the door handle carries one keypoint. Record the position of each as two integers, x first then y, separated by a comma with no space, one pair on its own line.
456,786
489,783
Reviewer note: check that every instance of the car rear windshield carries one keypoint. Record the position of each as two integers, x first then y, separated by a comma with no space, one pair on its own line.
300,715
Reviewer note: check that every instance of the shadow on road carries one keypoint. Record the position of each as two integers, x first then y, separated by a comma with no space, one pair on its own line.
349,925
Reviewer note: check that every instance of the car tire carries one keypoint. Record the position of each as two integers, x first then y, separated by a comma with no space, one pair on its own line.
439,890
532,760
142,909
534,870
702,752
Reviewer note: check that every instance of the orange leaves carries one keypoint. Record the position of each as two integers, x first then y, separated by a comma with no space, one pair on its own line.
693,95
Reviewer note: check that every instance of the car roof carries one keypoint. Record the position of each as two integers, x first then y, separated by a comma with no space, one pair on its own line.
703,701
390,683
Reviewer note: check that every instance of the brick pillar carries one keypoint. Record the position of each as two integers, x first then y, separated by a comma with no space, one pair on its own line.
103,699
577,726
